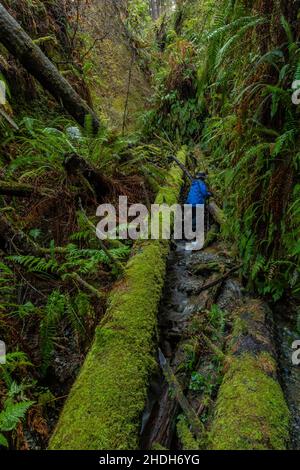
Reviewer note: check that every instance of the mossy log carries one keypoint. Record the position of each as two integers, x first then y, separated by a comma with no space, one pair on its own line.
251,412
216,213
104,408
11,188
20,45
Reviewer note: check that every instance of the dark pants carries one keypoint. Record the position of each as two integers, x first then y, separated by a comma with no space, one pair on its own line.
194,218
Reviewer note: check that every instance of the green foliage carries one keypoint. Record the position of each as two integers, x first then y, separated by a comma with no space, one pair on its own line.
216,317
14,361
83,261
201,383
60,307
138,20
7,287
13,411
52,314
239,107
42,149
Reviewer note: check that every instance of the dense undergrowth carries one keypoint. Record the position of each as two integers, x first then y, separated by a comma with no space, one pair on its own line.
226,83
54,272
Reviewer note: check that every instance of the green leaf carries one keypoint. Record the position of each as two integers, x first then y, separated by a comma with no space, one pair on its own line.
3,441
12,414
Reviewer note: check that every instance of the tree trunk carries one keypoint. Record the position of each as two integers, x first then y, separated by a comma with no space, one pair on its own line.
76,165
251,412
20,45
11,188
216,213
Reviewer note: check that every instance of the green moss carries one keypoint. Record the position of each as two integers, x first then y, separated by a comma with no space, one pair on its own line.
170,193
185,436
105,404
251,413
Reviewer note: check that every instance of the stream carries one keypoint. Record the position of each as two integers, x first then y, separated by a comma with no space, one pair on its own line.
181,307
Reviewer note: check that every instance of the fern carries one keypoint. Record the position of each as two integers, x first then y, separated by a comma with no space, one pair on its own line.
258,266
52,314
297,72
287,29
36,264
14,360
284,142
232,26
236,38
12,414
7,285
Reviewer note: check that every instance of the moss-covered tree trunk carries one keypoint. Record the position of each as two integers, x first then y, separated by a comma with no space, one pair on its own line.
251,412
104,408
20,45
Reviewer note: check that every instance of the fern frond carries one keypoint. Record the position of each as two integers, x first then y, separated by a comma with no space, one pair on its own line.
12,414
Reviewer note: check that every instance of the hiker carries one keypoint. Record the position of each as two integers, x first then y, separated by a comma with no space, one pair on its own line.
198,194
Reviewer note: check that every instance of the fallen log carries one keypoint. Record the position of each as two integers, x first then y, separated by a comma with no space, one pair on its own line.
11,188
219,280
251,412
20,45
160,427
216,213
106,402
195,423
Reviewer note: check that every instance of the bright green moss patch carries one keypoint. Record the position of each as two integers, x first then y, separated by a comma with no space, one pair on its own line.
185,435
170,193
104,407
251,413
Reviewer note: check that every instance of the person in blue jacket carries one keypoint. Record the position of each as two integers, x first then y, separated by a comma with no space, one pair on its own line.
198,194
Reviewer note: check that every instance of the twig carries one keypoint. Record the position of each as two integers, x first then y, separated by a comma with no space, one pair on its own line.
93,45
220,279
75,277
128,91
214,349
9,119
72,39
196,425
184,169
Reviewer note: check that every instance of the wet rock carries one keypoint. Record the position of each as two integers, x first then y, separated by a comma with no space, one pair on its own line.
231,293
191,286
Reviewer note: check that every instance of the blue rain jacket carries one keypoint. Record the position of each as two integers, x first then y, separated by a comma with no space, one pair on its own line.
198,193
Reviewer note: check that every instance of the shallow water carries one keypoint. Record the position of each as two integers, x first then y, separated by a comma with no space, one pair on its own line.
180,302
